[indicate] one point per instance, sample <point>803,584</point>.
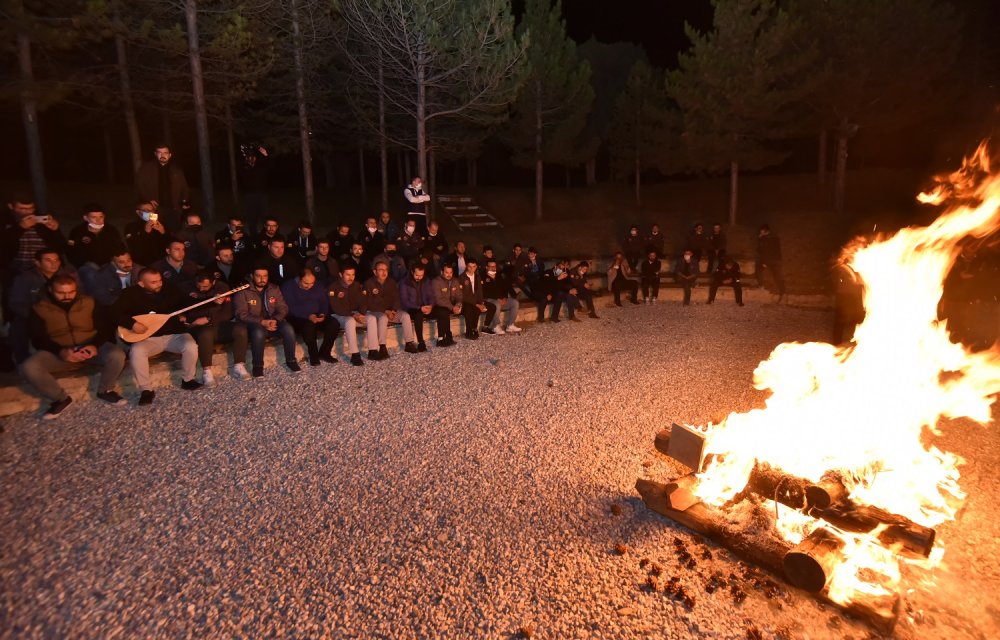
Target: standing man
<point>348,306</point>
<point>381,307</point>
<point>633,246</point>
<point>66,333</point>
<point>258,312</point>
<point>716,247</point>
<point>686,274</point>
<point>416,205</point>
<point>655,241</point>
<point>698,243</point>
<point>149,296</point>
<point>435,247</point>
<point>769,262</point>
<point>161,183</point>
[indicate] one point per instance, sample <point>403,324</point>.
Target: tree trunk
<point>734,189</point>
<point>200,111</point>
<point>383,143</point>
<point>399,167</point>
<point>591,172</point>
<point>361,175</point>
<point>328,173</point>
<point>231,144</point>
<point>840,175</point>
<point>821,160</point>
<point>109,156</point>
<point>539,168</point>
<point>300,96</point>
<point>432,184</point>
<point>421,120</point>
<point>29,116</point>
<point>128,106</point>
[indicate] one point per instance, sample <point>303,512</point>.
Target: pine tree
<point>552,108</point>
<point>740,88</point>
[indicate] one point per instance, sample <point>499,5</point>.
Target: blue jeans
<point>257,334</point>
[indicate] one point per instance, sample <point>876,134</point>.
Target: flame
<point>862,410</point>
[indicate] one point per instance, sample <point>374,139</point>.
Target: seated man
<point>27,289</point>
<point>225,269</point>
<point>416,303</point>
<point>565,293</point>
<point>114,277</point>
<point>150,296</point>
<point>473,302</point>
<point>258,312</point>
<point>621,278</point>
<point>92,242</point>
<point>209,323</point>
<point>356,259</point>
<point>382,300</point>
<point>303,242</point>
<point>549,288</point>
<point>67,333</point>
<point>447,301</point>
<point>177,270</point>
<point>498,292</point>
<point>309,311</point>
<point>145,236</point>
<point>686,274</point>
<point>397,266</point>
<point>268,233</point>
<point>728,274</point>
<point>323,265</point>
<point>584,291</point>
<point>348,305</point>
<point>281,267</point>
<point>649,271</point>
<point>198,242</point>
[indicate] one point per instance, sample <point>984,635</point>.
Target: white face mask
<point>372,229</point>
<point>634,232</point>
<point>491,273</point>
<point>557,271</point>
<point>145,216</point>
<point>95,227</point>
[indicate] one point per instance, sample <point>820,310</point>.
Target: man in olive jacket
<point>67,333</point>
<point>259,311</point>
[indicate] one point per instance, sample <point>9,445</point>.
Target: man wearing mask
<point>686,274</point>
<point>397,266</point>
<point>92,242</point>
<point>416,205</point>
<point>67,334</point>
<point>114,277</point>
<point>161,183</point>
<point>410,243</point>
<point>199,245</point>
<point>655,241</point>
<point>500,296</point>
<point>146,237</point>
<point>149,296</point>
<point>371,239</point>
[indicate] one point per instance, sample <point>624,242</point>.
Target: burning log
<point>768,552</point>
<point>809,565</point>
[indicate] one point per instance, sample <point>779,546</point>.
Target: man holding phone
<point>146,236</point>
<point>309,311</point>
<point>161,183</point>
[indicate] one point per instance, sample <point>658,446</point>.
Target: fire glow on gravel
<point>861,409</point>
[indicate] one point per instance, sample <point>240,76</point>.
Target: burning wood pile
<point>833,484</point>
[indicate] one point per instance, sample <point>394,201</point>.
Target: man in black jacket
<point>686,274</point>
<point>728,274</point>
<point>161,182</point>
<point>209,323</point>
<point>500,296</point>
<point>150,296</point>
<point>473,302</point>
<point>348,305</point>
<point>145,236</point>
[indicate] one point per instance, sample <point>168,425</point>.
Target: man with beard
<point>161,183</point>
<point>309,312</point>
<point>584,291</point>
<point>447,302</point>
<point>473,302</point>
<point>303,243</point>
<point>381,308</point>
<point>209,323</point>
<point>434,249</point>
<point>27,289</point>
<point>258,312</point>
<point>348,305</point>
<point>92,242</point>
<point>67,334</point>
<point>280,266</point>
<point>357,260</point>
<point>390,230</point>
<point>397,266</point>
<point>340,243</point>
<point>225,269</point>
<point>114,277</point>
<point>268,234</point>
<point>372,240</point>
<point>150,296</point>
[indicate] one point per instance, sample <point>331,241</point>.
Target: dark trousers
<point>586,296</point>
<point>771,271</point>
<point>206,336</point>
<point>417,317</point>
<point>255,333</point>
<point>308,330</point>
<point>651,285</point>
<point>442,316</point>
<point>471,314</point>
<point>254,209</point>
<point>571,302</point>
<point>491,310</point>
<point>624,284</point>
<point>687,286</point>
<point>714,288</point>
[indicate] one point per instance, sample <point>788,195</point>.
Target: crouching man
<point>67,334</point>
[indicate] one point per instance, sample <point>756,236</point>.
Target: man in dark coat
<point>161,182</point>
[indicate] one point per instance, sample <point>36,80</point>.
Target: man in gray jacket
<point>447,302</point>
<point>258,312</point>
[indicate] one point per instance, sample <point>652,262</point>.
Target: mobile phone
<point>153,217</point>
<point>41,219</point>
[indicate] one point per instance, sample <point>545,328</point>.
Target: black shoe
<point>146,397</point>
<point>293,366</point>
<point>710,302</point>
<point>373,354</point>
<point>112,397</point>
<point>314,362</point>
<point>541,320</point>
<point>739,304</point>
<point>421,347</point>
<point>593,314</point>
<point>574,319</point>
<point>471,335</point>
<point>489,331</point>
<point>56,408</point>
<point>356,359</point>
<point>383,353</point>
<point>190,385</point>
<point>447,341</point>
<point>258,372</point>
<point>618,303</point>
<point>553,319</point>
<point>636,302</point>
<point>411,347</point>
<point>326,357</point>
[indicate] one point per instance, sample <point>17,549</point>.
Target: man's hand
<point>139,328</point>
<point>51,223</point>
<point>152,226</point>
<point>262,151</point>
<point>548,297</point>
<point>359,317</point>
<point>238,235</point>
<point>316,318</point>
<point>572,291</point>
<point>427,308</point>
<point>200,322</point>
<point>26,222</point>
<point>391,314</point>
<point>456,309</point>
<point>270,325</point>
<point>481,307</point>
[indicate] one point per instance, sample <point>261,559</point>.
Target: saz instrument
<point>155,321</point>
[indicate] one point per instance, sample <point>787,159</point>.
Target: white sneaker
<point>207,378</point>
<point>513,329</point>
<point>498,331</point>
<point>645,300</point>
<point>240,371</point>
<point>653,302</point>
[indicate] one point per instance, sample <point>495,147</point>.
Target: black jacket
<point>345,301</point>
<point>136,301</point>
<point>146,248</point>
<point>86,246</point>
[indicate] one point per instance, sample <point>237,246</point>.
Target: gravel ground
<point>478,491</point>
